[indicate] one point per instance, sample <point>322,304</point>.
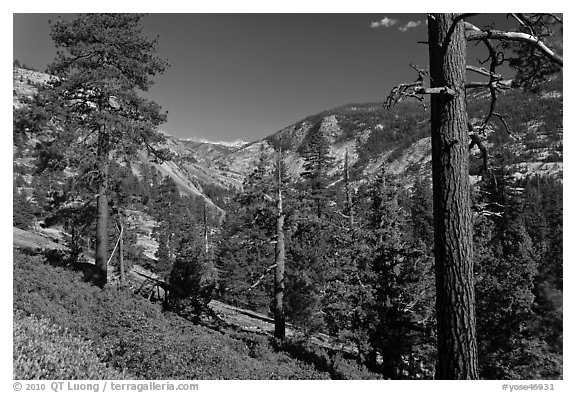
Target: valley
<point>355,243</point>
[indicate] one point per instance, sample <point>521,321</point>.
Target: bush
<point>22,212</point>
<point>42,350</point>
<point>324,360</point>
<point>129,333</point>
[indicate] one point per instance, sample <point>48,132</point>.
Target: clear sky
<point>245,76</point>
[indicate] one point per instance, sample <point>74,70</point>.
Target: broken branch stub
<point>415,90</point>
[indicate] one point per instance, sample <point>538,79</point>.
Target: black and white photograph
<point>287,196</point>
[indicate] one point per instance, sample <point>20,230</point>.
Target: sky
<point>246,76</point>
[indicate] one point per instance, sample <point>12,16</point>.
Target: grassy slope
<point>128,335</point>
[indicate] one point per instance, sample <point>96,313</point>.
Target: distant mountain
<point>202,141</point>
<point>398,141</point>
<point>374,138</point>
<point>192,169</point>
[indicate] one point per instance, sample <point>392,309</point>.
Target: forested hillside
<point>342,200</point>
<point>359,264</point>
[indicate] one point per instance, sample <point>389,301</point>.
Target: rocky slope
<point>397,141</point>
<point>374,138</point>
<point>191,169</point>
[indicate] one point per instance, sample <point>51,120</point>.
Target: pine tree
<point>402,306</point>
<point>542,209</point>
<point>457,349</point>
<point>91,108</point>
<point>317,162</point>
<point>421,212</point>
<point>166,209</point>
<point>511,345</point>
<point>189,279</point>
<point>245,249</point>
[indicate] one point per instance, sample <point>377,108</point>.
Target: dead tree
<point>279,317</point>
<point>348,190</point>
<point>120,227</point>
<point>451,132</point>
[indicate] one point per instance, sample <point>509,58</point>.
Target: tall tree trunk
<point>349,207</point>
<point>102,206</point>
<point>279,318</point>
<point>457,349</point>
<point>205,230</point>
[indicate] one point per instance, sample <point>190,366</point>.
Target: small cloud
<point>386,22</point>
<point>410,25</point>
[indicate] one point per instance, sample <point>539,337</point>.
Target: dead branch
<point>435,90</point>
<point>473,33</point>
<point>403,90</point>
<point>415,90</point>
<point>506,125</point>
<point>495,83</point>
<point>483,71</point>
<point>116,246</point>
<point>262,277</point>
<point>530,25</point>
<point>470,26</point>
<point>521,19</point>
<point>495,61</point>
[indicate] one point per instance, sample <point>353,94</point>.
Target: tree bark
<point>205,230</point>
<point>349,206</point>
<point>279,317</point>
<point>457,349</point>
<point>121,252</point>
<point>102,206</point>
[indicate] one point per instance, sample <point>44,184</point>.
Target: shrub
<point>325,360</point>
<point>129,333</point>
<point>43,350</point>
<point>22,212</point>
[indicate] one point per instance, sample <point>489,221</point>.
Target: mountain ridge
<point>373,138</point>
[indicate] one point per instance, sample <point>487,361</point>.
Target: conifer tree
<point>401,283</point>
<point>447,37</point>
<point>505,277</point>
<point>317,163</point>
<point>245,247</point>
<point>190,281</point>
<point>421,212</point>
<point>168,211</point>
<point>92,109</point>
